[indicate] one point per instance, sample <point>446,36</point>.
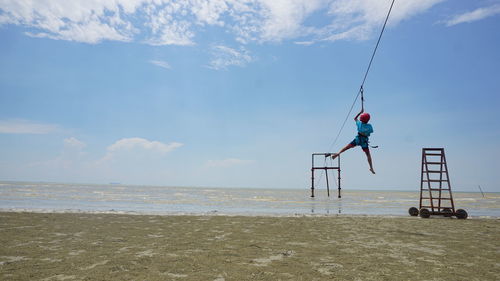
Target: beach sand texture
<point>36,246</point>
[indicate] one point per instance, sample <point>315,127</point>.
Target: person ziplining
<point>364,129</point>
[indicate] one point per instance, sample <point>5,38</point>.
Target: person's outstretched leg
<point>369,158</point>
<point>350,145</point>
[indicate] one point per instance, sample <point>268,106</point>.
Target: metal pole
<point>312,176</point>
<point>441,180</point>
<point>421,180</point>
<point>312,182</point>
<point>339,175</point>
<point>327,184</point>
<point>481,190</point>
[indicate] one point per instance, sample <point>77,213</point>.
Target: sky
<point>240,93</point>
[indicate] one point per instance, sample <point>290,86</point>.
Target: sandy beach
<point>37,246</point>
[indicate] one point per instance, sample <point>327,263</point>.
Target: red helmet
<point>365,117</point>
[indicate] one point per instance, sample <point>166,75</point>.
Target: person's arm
<point>356,118</point>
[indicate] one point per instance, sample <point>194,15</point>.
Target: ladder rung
<point>433,149</point>
<point>433,154</point>
<point>435,189</point>
<point>434,162</point>
<point>435,172</point>
<point>434,180</point>
<point>436,198</point>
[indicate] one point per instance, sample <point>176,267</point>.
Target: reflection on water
<point>184,200</point>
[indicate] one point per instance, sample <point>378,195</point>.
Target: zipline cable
<point>361,89</point>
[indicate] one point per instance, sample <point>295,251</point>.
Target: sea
<point>162,200</point>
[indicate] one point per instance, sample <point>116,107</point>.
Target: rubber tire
<point>413,211</point>
<point>461,214</point>
<point>425,213</point>
<point>447,212</point>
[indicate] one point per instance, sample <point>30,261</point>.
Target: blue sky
<point>239,93</point>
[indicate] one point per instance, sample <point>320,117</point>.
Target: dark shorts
<point>361,141</point>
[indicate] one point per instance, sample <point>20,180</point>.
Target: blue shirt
<point>364,129</point>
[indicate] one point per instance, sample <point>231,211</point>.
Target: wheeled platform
<point>435,188</point>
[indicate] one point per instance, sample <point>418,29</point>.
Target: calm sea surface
<point>54,197</point>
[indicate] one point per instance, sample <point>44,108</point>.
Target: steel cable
<point>361,89</point>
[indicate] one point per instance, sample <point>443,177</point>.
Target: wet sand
<point>141,247</point>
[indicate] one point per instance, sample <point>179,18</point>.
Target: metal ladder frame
<point>443,171</point>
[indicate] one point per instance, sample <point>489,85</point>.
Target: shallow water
<point>56,197</point>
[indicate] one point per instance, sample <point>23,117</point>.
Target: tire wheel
<point>413,211</point>
<point>424,213</point>
<point>461,214</point>
<point>447,212</point>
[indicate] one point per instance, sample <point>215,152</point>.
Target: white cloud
<point>478,14</point>
<point>304,43</point>
<point>91,32</point>
<point>168,32</point>
<point>284,18</point>
<point>74,143</point>
<point>177,22</point>
<point>225,163</point>
<point>126,145</point>
<point>224,57</point>
<point>209,12</point>
<point>20,126</point>
<point>130,143</point>
<point>89,21</point>
<point>160,63</point>
<point>361,19</point>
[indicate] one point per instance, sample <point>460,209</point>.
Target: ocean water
<point>115,198</point>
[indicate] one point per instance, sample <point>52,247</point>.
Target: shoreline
<point>223,214</point>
